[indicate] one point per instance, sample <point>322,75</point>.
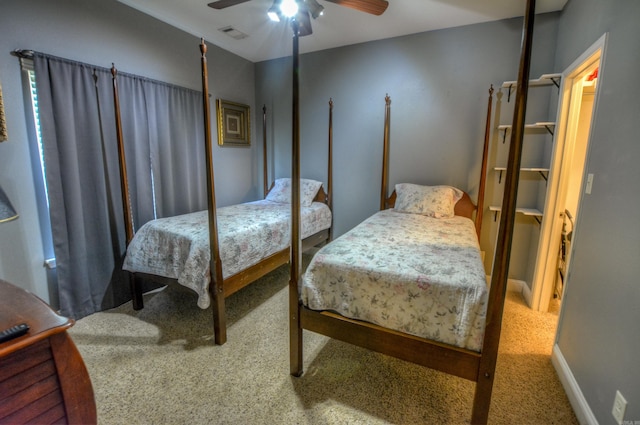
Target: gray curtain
<point>164,142</point>
<point>162,128</point>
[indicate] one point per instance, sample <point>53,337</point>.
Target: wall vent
<point>233,33</point>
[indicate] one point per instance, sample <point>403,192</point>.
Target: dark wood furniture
<point>42,376</point>
<point>478,367</point>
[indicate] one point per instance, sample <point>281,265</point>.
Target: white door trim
<point>551,227</point>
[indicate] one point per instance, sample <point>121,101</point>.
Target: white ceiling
<point>339,26</point>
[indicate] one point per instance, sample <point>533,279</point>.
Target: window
<point>38,132</point>
<point>37,161</point>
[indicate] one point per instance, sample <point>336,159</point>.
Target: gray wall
<point>438,83</point>
<point>103,32</point>
<point>599,332</point>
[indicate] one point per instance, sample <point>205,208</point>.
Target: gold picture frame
<point>233,123</point>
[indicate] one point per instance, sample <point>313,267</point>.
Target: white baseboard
<point>527,294</point>
<point>512,285</point>
<point>576,398</point>
<point>516,285</point>
<point>519,286</point>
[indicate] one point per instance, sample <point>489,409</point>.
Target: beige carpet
<point>159,366</point>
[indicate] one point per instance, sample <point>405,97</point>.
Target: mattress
<point>178,247</point>
<point>408,272</point>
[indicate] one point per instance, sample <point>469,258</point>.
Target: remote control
<point>13,332</point>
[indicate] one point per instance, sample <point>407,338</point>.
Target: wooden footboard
<point>446,358</point>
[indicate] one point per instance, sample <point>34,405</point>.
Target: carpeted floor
<point>159,366</point>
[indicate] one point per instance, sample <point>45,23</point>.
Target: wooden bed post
<point>295,331</point>
<point>215,264</point>
<point>385,154</point>
<point>483,169</point>
<point>499,275</point>
<point>124,182</point>
<point>264,151</point>
<point>330,167</point>
<point>136,290</point>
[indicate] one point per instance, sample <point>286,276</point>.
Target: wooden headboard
<point>324,196</point>
<point>465,206</point>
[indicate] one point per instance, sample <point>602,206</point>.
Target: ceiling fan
<point>301,10</point>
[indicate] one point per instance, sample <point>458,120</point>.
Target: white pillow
<point>281,191</point>
<point>433,201</point>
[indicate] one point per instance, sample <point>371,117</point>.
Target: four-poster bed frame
<point>475,366</point>
<point>219,287</point>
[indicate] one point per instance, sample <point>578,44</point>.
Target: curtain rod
<point>28,54</point>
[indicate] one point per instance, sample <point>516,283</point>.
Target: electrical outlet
<point>619,406</point>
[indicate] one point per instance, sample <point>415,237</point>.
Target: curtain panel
<point>162,128</point>
<point>164,145</point>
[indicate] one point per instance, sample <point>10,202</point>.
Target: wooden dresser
<point>43,379</point>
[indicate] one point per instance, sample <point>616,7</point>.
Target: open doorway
<point>568,177</point>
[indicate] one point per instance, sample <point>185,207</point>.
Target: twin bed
<point>410,272</point>
<point>409,281</point>
<point>414,267</point>
<point>218,251</point>
<point>178,247</point>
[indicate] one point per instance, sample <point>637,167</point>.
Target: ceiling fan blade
<point>375,7</point>
<point>221,4</point>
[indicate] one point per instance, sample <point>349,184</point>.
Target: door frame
<point>566,126</point>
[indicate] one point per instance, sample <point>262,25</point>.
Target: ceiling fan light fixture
<point>315,8</point>
<point>274,12</point>
<point>289,8</point>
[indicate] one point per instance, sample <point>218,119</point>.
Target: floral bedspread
<point>412,273</point>
<point>178,247</point>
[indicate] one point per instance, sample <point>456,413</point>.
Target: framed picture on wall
<point>233,123</point>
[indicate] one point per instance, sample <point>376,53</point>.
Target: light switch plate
<point>587,189</point>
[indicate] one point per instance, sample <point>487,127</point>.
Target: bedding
<point>281,191</point>
<point>434,201</point>
<point>178,247</point>
<point>413,273</point>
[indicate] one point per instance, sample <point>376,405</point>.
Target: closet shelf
<point>544,172</point>
<point>531,212</point>
<point>544,80</point>
<point>547,125</point>
<point>541,124</point>
<point>537,169</point>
